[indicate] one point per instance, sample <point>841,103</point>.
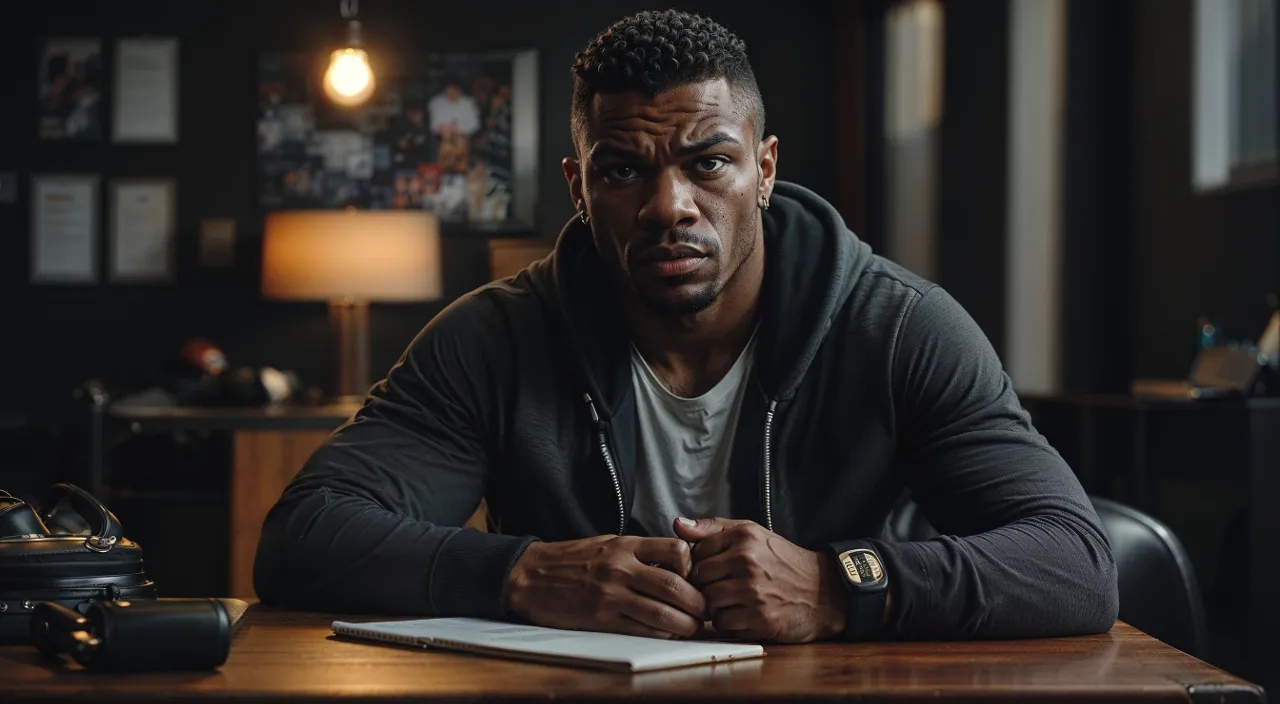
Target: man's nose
<point>669,203</point>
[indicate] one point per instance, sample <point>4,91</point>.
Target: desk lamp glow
<point>350,258</point>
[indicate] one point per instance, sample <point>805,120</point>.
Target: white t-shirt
<point>685,444</point>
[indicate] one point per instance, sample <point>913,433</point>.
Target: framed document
<point>145,108</point>
<point>142,230</point>
<point>64,228</point>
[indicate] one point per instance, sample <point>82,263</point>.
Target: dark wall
<point>1097,197</point>
<point>972,161</point>
<point>1214,255</point>
<point>60,335</point>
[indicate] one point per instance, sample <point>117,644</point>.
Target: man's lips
<point>673,260</point>
<point>673,267</point>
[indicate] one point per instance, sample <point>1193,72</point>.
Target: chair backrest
<point>1159,592</point>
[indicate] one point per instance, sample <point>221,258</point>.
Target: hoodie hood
<point>812,262</point>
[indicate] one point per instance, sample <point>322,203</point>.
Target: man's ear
<point>573,175</point>
<point>767,160</point>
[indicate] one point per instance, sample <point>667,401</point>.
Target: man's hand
<point>608,583</point>
<point>760,586</point>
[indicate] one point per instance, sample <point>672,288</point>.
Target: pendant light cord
<point>349,8</point>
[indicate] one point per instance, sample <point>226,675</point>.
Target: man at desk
<point>704,405</point>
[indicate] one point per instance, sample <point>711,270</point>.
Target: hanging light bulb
<point>349,79</point>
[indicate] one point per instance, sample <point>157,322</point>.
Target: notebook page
<point>637,653</point>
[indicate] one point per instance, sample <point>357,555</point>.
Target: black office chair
<point>1159,592</point>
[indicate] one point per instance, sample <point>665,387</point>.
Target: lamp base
<point>350,322</point>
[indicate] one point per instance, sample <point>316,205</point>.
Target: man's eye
<point>620,173</point>
<point>711,164</point>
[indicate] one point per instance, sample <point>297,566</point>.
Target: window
<point>1234,74</point>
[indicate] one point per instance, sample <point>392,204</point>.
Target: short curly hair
<point>654,51</point>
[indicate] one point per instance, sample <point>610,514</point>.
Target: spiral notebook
<point>605,651</point>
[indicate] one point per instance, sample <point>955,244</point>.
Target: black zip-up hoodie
<point>868,381</point>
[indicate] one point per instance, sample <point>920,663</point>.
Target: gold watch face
<point>861,566</point>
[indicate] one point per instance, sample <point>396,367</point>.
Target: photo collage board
<point>452,134</point>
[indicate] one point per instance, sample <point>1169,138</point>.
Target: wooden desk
<point>284,656</point>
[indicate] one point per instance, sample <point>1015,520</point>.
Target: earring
<point>582,215</point>
<point>764,202</point>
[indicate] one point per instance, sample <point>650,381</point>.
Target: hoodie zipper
<point>608,461</point>
<point>768,484</point>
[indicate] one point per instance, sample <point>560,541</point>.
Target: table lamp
<point>350,258</point>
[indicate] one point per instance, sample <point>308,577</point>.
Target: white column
<point>1033,305</point>
<point>913,112</point>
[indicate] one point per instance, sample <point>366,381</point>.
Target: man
<point>704,405</point>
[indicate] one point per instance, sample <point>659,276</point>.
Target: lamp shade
<point>357,255</point>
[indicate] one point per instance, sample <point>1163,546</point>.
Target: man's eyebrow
<point>707,143</point>
<point>603,150</point>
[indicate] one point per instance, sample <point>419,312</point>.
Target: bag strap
<point>106,528</point>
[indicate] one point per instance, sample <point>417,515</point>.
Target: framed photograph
<point>64,228</point>
<point>142,224</point>
<point>69,90</point>
<point>146,91</point>
<point>453,134</point>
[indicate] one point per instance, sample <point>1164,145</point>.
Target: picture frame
<point>455,134</point>
<point>64,228</point>
<point>145,91</point>
<point>142,230</point>
<point>70,90</point>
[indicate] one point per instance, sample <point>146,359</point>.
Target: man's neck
<point>692,353</point>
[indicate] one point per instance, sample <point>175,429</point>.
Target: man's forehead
<point>684,109</point>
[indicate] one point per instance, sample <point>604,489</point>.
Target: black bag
<point>70,567</point>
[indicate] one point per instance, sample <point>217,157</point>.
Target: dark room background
<point>64,335</point>
<point>1133,295</point>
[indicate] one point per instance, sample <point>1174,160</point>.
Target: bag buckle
<point>100,544</point>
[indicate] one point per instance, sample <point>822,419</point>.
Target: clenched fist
<point>608,583</point>
<point>759,586</point>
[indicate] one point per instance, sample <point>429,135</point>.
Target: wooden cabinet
<point>263,463</point>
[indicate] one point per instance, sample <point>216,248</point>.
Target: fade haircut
<point>651,52</point>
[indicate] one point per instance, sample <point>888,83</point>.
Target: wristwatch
<point>863,572</point>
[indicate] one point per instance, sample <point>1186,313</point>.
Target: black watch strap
<point>865,575</point>
<point>866,614</point>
